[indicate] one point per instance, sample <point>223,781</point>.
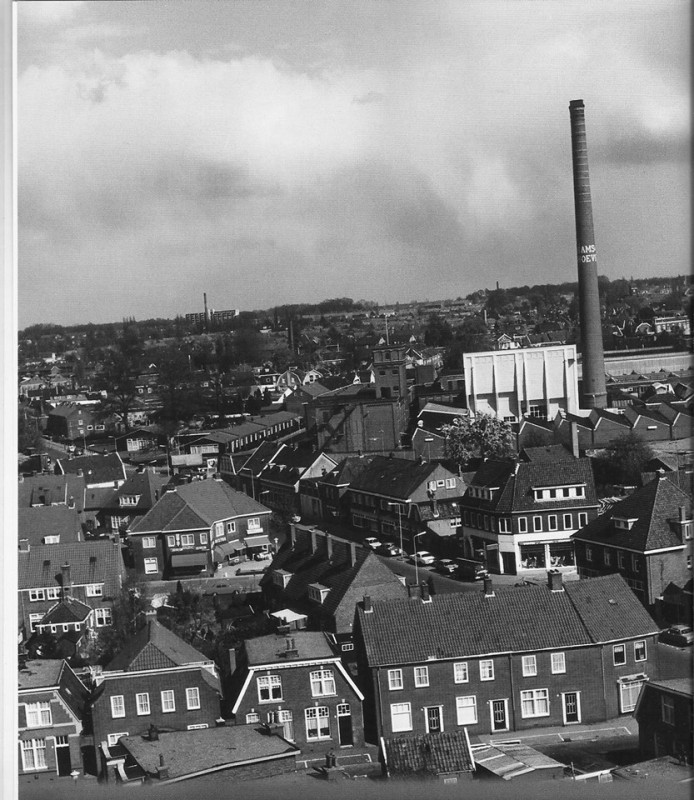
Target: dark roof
<point>96,469</point>
<point>196,505</point>
<point>46,489</point>
<point>429,754</point>
<point>347,470</point>
<point>148,485</point>
<point>273,648</point>
<point>261,457</point>
<point>41,672</point>
<point>90,562</point>
<point>654,506</point>
<point>393,477</point>
<point>677,685</point>
<point>518,619</point>
<point>547,453</point>
<point>67,610</point>
<point>35,524</point>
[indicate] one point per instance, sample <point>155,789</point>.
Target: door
<point>62,755</point>
<point>433,718</point>
<point>344,725</point>
<point>287,721</point>
<point>572,708</point>
<point>499,715</point>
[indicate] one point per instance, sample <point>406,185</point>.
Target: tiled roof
<point>67,610</point>
<point>679,685</point>
<point>36,523</point>
<point>519,619</point>
<point>262,456</point>
<point>96,469</point>
<point>269,649</point>
<point>196,505</point>
<point>547,453</point>
<point>654,506</point>
<point>149,485</point>
<point>429,754</point>
<point>393,477</point>
<point>41,489</point>
<point>347,470</point>
<point>90,562</point>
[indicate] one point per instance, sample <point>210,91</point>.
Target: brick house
<point>100,472</point>
<point>157,680</point>
<point>519,516</point>
<point>327,497</point>
<point>597,429</point>
<point>513,659</point>
<point>71,421</point>
<point>297,684</point>
<point>132,500</point>
<point>647,538</point>
<point>51,708</point>
<point>664,713</point>
<point>193,526</point>
<point>89,573</point>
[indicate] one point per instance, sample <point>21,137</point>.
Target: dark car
<point>389,550</point>
<point>446,566</point>
<point>679,635</point>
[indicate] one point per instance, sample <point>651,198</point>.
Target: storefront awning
<point>189,560</point>
<point>257,541</point>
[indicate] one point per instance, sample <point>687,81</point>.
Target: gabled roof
<point>148,485</point>
<point>262,456</point>
<point>393,477</point>
<point>347,470</point>
<point>90,562</point>
<point>46,489</point>
<point>653,506</point>
<point>67,610</point>
<point>196,505</point>
<point>96,469</point>
<point>547,453</point>
<point>37,523</point>
<point>518,619</point>
<point>429,754</point>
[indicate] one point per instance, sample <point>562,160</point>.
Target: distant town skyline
<point>271,153</point>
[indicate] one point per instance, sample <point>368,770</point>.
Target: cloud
<point>49,12</point>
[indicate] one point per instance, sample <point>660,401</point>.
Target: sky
<point>283,152</point>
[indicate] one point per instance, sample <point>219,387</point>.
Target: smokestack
<point>594,393</point>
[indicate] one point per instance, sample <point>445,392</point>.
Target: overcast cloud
<point>270,153</point>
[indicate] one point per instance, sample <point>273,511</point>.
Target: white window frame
<point>253,524</point>
<point>142,704</point>
<point>270,685</point>
<point>117,706</point>
<point>203,537</point>
<point>37,749</point>
<point>537,524</point>
<point>582,519</point>
<point>558,663</point>
<point>421,677</point>
<point>627,695</point>
<point>640,650</point>
<point>103,617</point>
<point>112,738</point>
<point>151,566</point>
<point>252,717</point>
<point>529,664</point>
<point>395,680</point>
<point>667,708</point>
<point>535,697</point>
<point>568,521</point>
<point>95,590</point>
<point>168,701</point>
<point>38,715</point>
<point>192,698</point>
<point>171,541</point>
<point>35,595</point>
<point>400,717</point>
<point>619,661</point>
<point>187,539</point>
<point>466,710</point>
<point>149,542</point>
<point>322,683</point>
<point>231,527</point>
<point>313,729</point>
<point>522,524</point>
<point>461,673</point>
<point>487,669</point>
<point>34,619</point>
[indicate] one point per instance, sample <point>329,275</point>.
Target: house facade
<point>297,684</point>
<point>560,654</point>
<point>51,710</point>
<point>664,714</point>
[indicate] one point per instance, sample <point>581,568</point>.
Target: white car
<point>372,542</point>
<point>423,558</point>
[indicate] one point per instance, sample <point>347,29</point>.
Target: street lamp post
<point>399,506</point>
<point>414,556</point>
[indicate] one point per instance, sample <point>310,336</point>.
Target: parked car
<point>264,555</point>
<point>422,558</point>
<point>679,635</point>
<point>372,542</point>
<point>471,570</point>
<point>446,566</point>
<point>389,550</point>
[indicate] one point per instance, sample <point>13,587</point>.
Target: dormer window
<point>281,577</point>
<point>129,499</point>
<point>624,523</point>
<point>317,592</point>
<point>559,493</point>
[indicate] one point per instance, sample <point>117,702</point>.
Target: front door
<point>499,715</point>
<point>572,708</point>
<point>434,723</point>
<point>344,725</point>
<point>62,755</point>
<point>287,722</point>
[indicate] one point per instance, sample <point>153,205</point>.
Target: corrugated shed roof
<point>429,754</point>
<point>509,761</point>
<point>520,619</point>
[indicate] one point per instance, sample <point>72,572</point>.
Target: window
<point>203,538</point>
<point>504,525</point>
<point>635,562</point>
<point>395,679</point>
<point>113,738</point>
<point>231,527</point>
<point>552,523</point>
<point>33,754</point>
<point>619,654</point>
<point>421,676</point>
<point>254,524</point>
<point>142,702</point>
<point>567,522</point>
<point>400,717</point>
<point>149,542</point>
<point>33,619</point>
<point>640,651</point>
<point>522,525</point>
<point>102,617</point>
<point>558,663</point>
<point>192,698</point>
<point>51,539</point>
<point>36,594</point>
<point>38,715</point>
<point>171,541</point>
<point>668,709</point>
<point>187,539</point>
<point>466,710</point>
<point>629,694</point>
<point>582,519</point>
<point>537,523</point>
<point>252,717</point>
<point>317,723</point>
<point>607,557</point>
<point>322,683</point>
<point>168,703</point>
<point>151,565</point>
<point>117,706</point>
<point>620,559</point>
<point>535,703</point>
<point>460,672</point>
<point>95,589</point>
<point>269,688</point>
<point>589,553</point>
<point>487,670</point>
<point>529,666</point>
<point>53,594</point>
<point>450,483</point>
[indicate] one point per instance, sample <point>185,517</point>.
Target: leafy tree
<point>483,436</point>
<point>190,615</point>
<point>622,461</point>
<point>29,435</point>
<point>128,617</point>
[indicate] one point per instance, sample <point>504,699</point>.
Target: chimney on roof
<point>683,513</point>
<point>24,545</point>
<point>71,502</point>
<point>329,545</point>
<point>488,588</point>
<point>368,608</point>
<point>66,579</point>
<point>291,651</point>
<point>162,769</point>
<point>426,594</point>
<point>555,580</point>
<point>352,554</point>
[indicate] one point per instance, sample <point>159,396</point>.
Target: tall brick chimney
<point>594,392</point>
